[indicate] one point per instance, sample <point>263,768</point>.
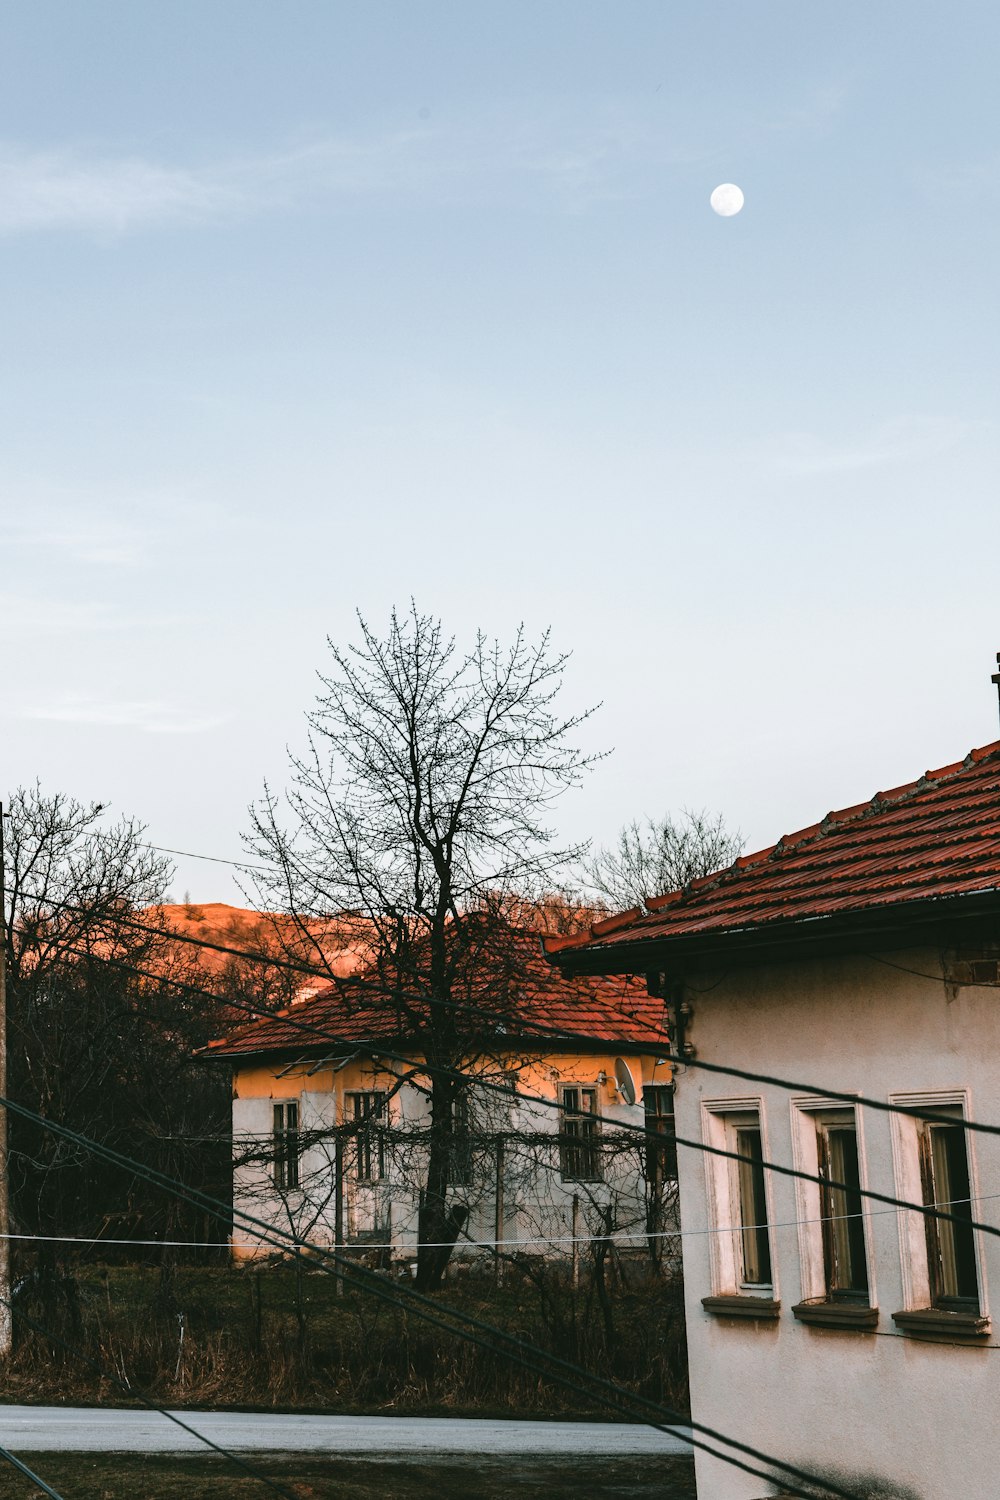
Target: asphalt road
<point>37,1429</point>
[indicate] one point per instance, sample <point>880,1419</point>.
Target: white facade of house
<point>911,1414</point>
<point>532,1197</point>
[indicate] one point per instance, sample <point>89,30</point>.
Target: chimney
<point>996,675</point>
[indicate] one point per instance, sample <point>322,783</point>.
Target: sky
<point>309,309</point>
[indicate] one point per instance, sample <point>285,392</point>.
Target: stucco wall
<point>538,1204</point>
<point>918,1418</point>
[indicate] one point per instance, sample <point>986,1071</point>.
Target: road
<point>37,1429</point>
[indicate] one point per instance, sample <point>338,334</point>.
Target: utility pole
<point>6,1317</point>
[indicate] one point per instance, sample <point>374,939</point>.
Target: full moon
<point>727,199</point>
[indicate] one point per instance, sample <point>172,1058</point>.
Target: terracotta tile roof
<point>539,1002</point>
<point>932,838</point>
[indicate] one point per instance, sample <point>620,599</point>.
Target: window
<point>661,1160</point>
<point>579,1160</point>
<point>844,1259</point>
<point>367,1162</point>
<point>951,1248</point>
<point>461,1142</point>
<point>744,1283</point>
<point>286,1144</point>
<point>754,1236</point>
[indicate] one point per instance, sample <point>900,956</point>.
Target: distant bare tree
<point>659,855</point>
<point>418,816</point>
<point>93,1041</point>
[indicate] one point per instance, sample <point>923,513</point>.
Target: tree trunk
<point>438,1225</point>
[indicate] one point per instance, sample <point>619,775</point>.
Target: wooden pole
<point>576,1241</point>
<point>6,1318</point>
<point>498,1217</point>
<point>338,1203</point>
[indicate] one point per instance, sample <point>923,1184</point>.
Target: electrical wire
<point>22,1468</point>
<point>554,1034</point>
<point>143,1397</point>
<point>657,1136</point>
<point>612,1237</point>
<point>621,1126</point>
<point>898,1203</point>
<point>520,1350</point>
<point>212,859</point>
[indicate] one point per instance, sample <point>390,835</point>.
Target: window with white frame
<point>738,1194</point>
<point>579,1156</point>
<point>934,1165</point>
<point>658,1111</point>
<point>946,1183</point>
<point>845,1258</point>
<point>751,1201</point>
<point>285,1144</point>
<point>365,1110</point>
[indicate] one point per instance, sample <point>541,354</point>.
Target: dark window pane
<point>844,1232</point>
<point>753,1209</point>
<point>951,1241</point>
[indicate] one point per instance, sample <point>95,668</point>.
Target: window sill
<point>935,1320</point>
<point>854,1317</point>
<point>739,1305</point>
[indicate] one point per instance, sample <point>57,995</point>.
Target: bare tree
<point>661,854</point>
<point>94,1041</point>
<point>419,816</point>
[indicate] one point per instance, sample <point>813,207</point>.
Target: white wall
<point>538,1204</point>
<point>921,1418</point>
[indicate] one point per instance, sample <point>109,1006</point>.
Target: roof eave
<point>937,920</point>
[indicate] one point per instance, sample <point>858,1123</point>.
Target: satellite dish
<point>624,1080</point>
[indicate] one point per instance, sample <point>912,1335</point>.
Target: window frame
<point>725,1122</point>
<point>943,1234</point>
<point>286,1149</point>
<point>842,1213</point>
<point>579,1134</point>
<point>660,1162</point>
<point>923,1302</point>
<point>816,1304</point>
<point>368,1146</point>
<point>460,1169</point>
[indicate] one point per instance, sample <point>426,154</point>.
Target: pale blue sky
<point>307,307</point>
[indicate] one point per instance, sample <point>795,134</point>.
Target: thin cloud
<point>572,160</point>
<point>906,440</point>
<point>118,533</point>
<point>29,618</point>
<point>149,716</point>
<point>65,190</point>
<point>959,182</point>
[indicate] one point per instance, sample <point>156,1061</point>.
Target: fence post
<point>576,1241</point>
<point>338,1205</point>
<point>498,1234</point>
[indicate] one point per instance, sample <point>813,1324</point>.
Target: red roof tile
<point>935,837</point>
<point>538,1002</point>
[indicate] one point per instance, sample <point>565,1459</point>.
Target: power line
<point>212,859</point>
<point>520,1350</point>
<point>551,1033</point>
<point>147,1400</point>
<point>22,1468</point>
<point>655,1135</point>
<point>380,1050</point>
<point>611,1237</point>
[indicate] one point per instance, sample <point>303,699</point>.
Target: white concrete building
<point>858,958</point>
<point>329,1133</point>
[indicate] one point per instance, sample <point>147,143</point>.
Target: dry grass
<point>265,1339</point>
<point>125,1477</point>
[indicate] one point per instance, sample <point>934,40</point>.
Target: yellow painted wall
<point>536,1075</point>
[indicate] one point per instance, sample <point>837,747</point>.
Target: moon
<point>727,199</point>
